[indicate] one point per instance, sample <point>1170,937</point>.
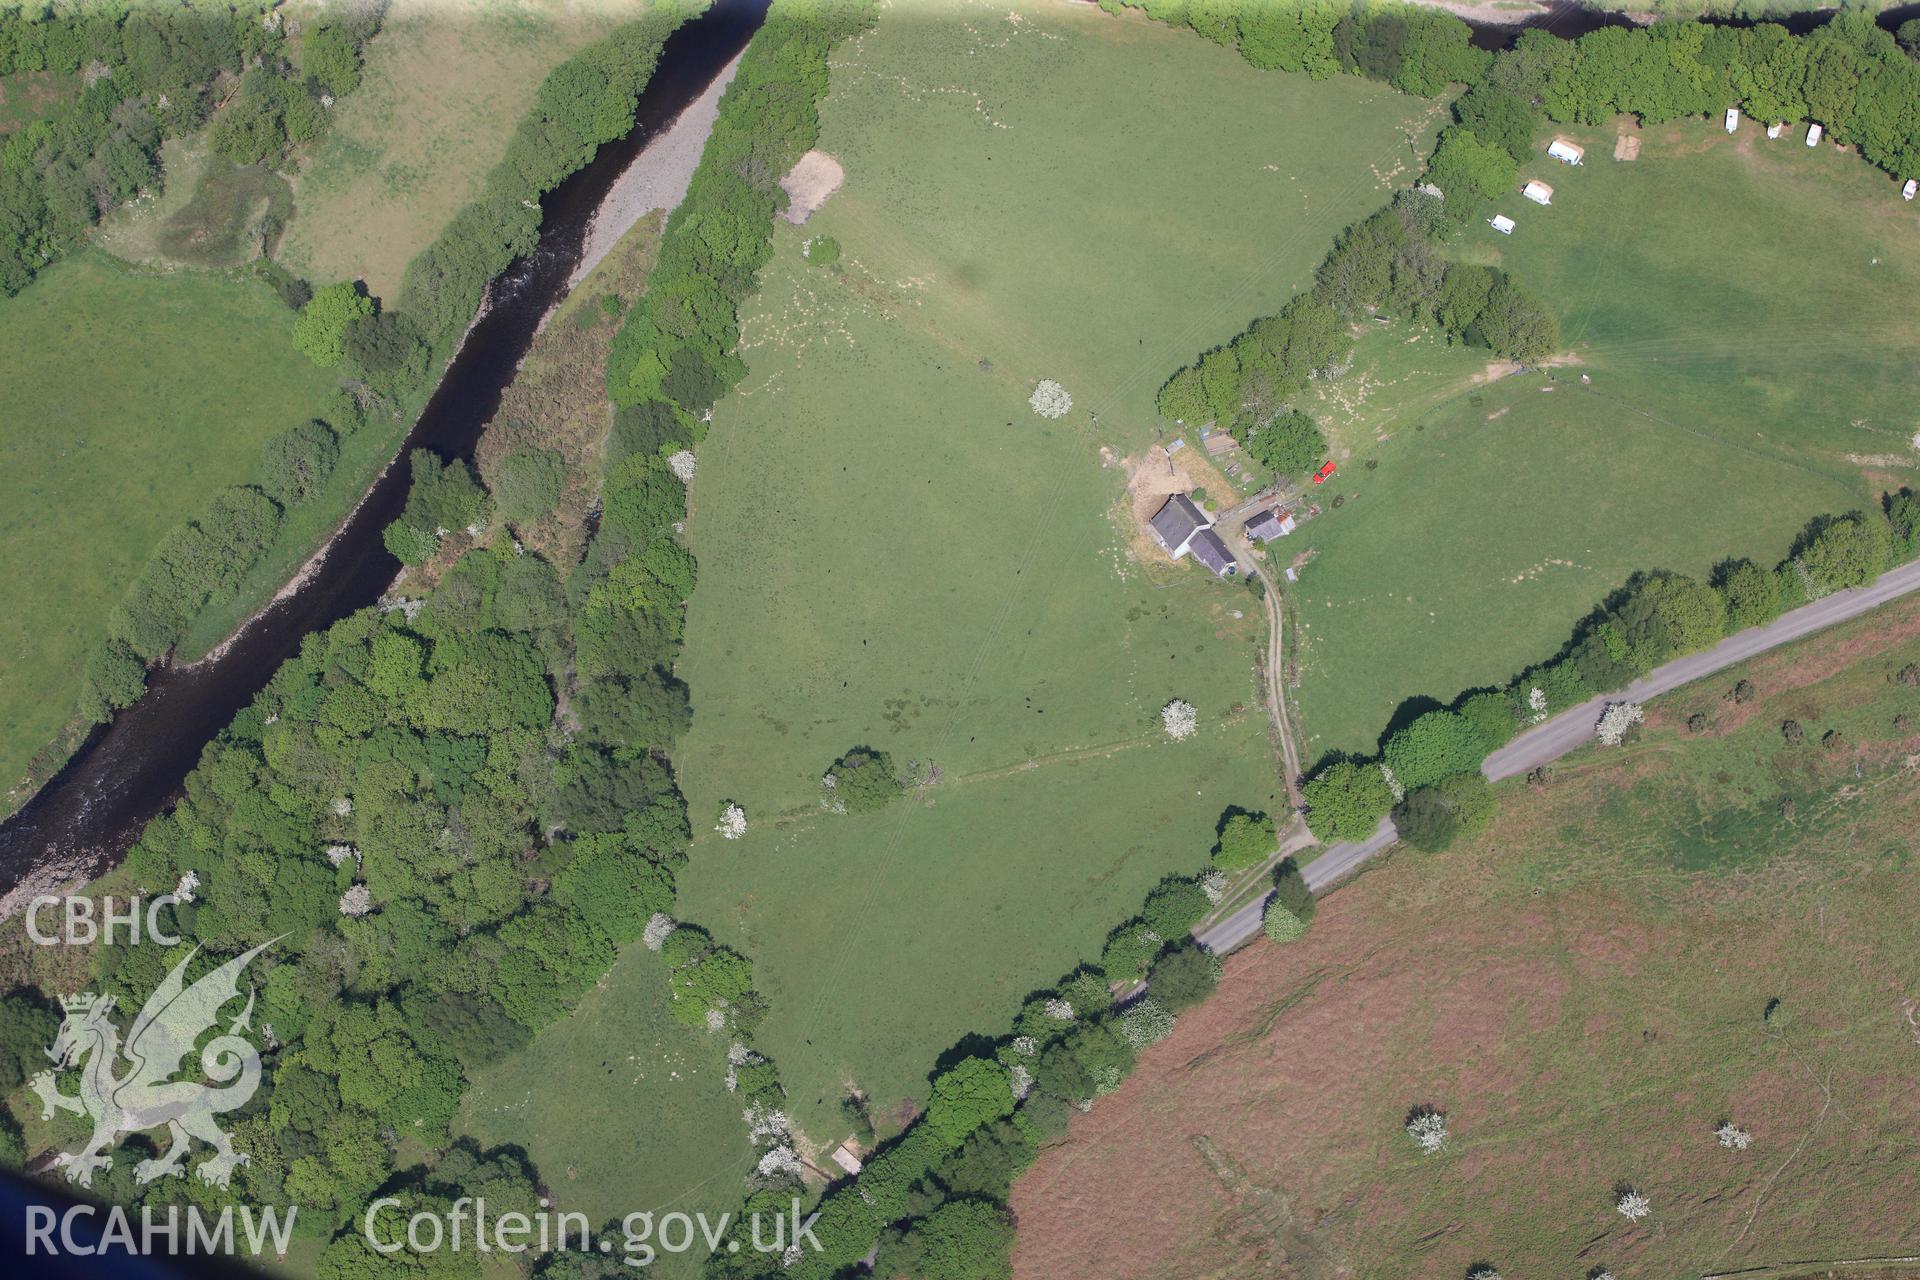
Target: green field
<point>1742,310</point>
<point>895,551</point>
<point>445,84</point>
<point>26,96</point>
<point>622,1109</point>
<point>129,401</point>
<point>210,214</point>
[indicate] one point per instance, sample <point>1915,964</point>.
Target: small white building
<point>1813,135</point>
<point>1733,119</point>
<point>1502,223</point>
<point>1538,192</point>
<point>1907,192</point>
<point>1775,130</point>
<point>1565,152</point>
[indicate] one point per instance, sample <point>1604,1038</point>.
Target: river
<point>129,771</point>
<point>88,814</point>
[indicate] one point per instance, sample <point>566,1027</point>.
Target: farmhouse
<point>1538,192</point>
<point>1179,526</point>
<point>1502,223</point>
<point>1566,152</point>
<point>1175,523</point>
<point>1269,525</point>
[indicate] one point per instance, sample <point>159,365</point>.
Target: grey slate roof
<point>1266,526</point>
<point>1177,521</point>
<point>1211,552</point>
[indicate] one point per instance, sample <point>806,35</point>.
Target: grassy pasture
<point>129,400</point>
<point>446,82</point>
<point>1745,351</point>
<point>211,214</point>
<point>26,96</point>
<point>1582,991</point>
<point>622,1109</point>
<point>895,551</point>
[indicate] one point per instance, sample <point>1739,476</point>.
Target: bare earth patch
<point>1626,146</point>
<point>815,178</point>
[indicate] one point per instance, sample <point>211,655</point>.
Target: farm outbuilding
<point>1502,223</point>
<point>1269,525</point>
<point>1538,192</point>
<point>1566,152</point>
<point>1813,135</point>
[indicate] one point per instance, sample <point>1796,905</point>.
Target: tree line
<point>151,72</point>
<point>934,1198</point>
<point>387,356</point>
<point>452,858</point>
<point>205,559</point>
<point>1848,74</point>
<point>1388,265</point>
<point>1427,773</point>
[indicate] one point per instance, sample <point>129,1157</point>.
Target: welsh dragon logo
<point>143,1096</point>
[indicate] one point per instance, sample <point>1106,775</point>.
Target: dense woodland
<point>451,857</point>
<point>153,71</point>
<point>388,358</point>
<point>457,809</point>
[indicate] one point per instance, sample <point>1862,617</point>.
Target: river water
<point>85,818</point>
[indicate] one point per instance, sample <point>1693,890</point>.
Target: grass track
<point>895,551</point>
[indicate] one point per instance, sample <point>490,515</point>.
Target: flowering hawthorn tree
<point>1616,720</point>
<point>1733,1137</point>
<point>1180,719</point>
<point>1148,1022</point>
<point>1632,1205</point>
<point>1050,399</point>
<point>356,902</point>
<point>1428,1129</point>
<point>659,925</point>
<point>733,822</point>
<point>1393,784</point>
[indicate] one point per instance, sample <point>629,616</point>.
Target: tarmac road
<point>1570,729</point>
